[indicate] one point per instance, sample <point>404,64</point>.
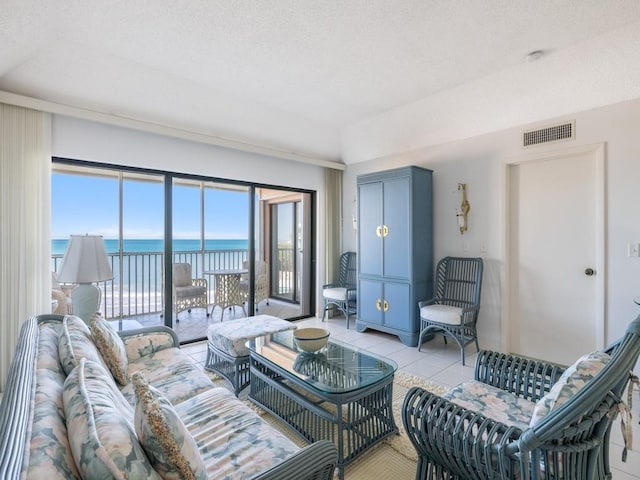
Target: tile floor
<point>440,363</point>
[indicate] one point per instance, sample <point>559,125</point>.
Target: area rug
<point>393,458</point>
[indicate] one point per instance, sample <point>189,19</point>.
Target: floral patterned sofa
<point>70,409</point>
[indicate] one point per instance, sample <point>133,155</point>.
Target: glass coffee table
<point>340,393</point>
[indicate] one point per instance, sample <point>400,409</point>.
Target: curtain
<point>333,221</point>
<point>25,246</point>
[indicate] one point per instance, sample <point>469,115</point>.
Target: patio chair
<point>525,419</point>
<point>62,295</point>
<point>453,311</point>
<point>341,294</point>
<point>188,292</point>
<point>261,291</point>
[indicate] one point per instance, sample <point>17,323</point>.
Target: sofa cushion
<point>235,443</point>
<point>570,382</point>
<point>181,275</point>
<point>99,424</point>
<point>190,291</point>
<point>169,446</point>
<point>75,343</point>
<point>111,348</point>
<point>492,402</point>
<point>172,372</point>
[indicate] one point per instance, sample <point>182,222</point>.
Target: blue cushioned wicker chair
<point>463,436</point>
<point>453,311</point>
<point>342,293</point>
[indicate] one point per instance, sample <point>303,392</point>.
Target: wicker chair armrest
<point>466,443</point>
<point>466,306</point>
<point>470,309</point>
<point>68,289</point>
<point>59,296</point>
<point>332,285</point>
<point>524,377</point>
<point>314,462</point>
<point>424,303</point>
<point>199,282</point>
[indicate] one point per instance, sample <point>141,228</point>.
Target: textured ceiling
<point>290,74</point>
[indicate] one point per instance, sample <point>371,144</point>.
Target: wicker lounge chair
<point>457,435</point>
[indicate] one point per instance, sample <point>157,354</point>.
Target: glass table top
<point>336,368</point>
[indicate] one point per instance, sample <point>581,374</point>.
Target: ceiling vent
<point>553,133</point>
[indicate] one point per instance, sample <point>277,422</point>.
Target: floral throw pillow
<point>75,343</point>
<point>111,348</point>
<point>101,436</point>
<point>169,445</point>
<point>572,380</point>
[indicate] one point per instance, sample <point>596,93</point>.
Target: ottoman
<point>227,352</point>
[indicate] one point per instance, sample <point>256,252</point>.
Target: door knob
<point>589,272</point>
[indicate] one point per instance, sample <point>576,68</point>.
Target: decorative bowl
<point>310,339</point>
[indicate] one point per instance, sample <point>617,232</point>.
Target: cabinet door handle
<point>385,230</point>
<point>378,231</point>
<point>386,306</point>
<point>379,304</point>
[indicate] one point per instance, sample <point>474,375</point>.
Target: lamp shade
<point>85,261</point>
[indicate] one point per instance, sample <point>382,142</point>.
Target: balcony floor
<point>193,325</point>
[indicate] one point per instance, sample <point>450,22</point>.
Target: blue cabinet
<point>395,250</point>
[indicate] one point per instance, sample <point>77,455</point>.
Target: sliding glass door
<point>126,208</point>
<point>248,248</point>
<point>138,276</point>
<point>290,248</point>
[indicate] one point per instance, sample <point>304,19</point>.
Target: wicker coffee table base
<point>366,419</point>
<point>234,369</point>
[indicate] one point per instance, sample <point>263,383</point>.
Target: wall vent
<point>553,133</point>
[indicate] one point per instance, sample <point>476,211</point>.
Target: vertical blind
<point>333,221</point>
<point>25,250</point>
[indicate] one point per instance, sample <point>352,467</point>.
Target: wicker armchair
<point>261,291</point>
<point>62,295</point>
<point>188,292</point>
<point>456,441</point>
<point>454,309</point>
<point>341,294</point>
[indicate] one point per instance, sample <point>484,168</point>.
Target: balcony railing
<point>137,287</point>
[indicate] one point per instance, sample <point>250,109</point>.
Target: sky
<point>82,204</point>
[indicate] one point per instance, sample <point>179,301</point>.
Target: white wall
<point>85,140</point>
<point>479,162</point>
<point>586,75</point>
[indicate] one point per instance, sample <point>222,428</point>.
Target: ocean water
<point>139,245</point>
<point>141,275</point>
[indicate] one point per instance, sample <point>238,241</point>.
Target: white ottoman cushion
<point>231,337</point>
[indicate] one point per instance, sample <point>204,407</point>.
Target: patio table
<point>227,289</point>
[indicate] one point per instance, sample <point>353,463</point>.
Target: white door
<point>556,263</point>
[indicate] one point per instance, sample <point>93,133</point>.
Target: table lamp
<point>85,262</point>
